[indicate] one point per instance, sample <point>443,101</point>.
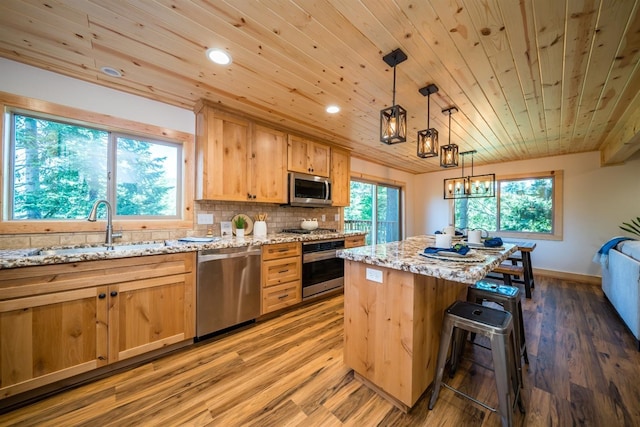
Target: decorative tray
<point>249,224</point>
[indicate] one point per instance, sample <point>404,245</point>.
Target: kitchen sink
<point>97,249</point>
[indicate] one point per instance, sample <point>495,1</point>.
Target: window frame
<point>118,126</point>
<point>558,184</point>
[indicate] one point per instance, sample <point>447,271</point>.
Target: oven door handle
<point>318,256</point>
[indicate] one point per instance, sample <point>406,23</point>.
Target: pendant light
<point>470,186</point>
<point>449,153</point>
<point>393,120</point>
<point>428,138</point>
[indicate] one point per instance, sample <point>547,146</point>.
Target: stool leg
<point>523,343</point>
<point>506,278</point>
<point>499,348</point>
<point>445,341</point>
<point>457,349</point>
<point>528,274</point>
<point>517,379</point>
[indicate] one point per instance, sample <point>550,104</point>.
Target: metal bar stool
<point>498,326</point>
<point>509,298</point>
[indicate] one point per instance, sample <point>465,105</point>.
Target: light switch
<point>336,217</point>
<point>204,218</point>
<point>324,217</point>
<point>374,275</point>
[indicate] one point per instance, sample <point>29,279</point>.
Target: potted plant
<point>240,224</point>
<point>633,227</point>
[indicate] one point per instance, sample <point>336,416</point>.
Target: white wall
<point>596,201</point>
<point>24,80</point>
<point>379,171</point>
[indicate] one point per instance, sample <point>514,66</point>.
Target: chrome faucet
<point>93,217</point>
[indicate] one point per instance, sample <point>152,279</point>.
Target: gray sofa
<point>621,283</point>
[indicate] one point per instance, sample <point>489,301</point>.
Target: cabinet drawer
<point>354,241</point>
<point>278,271</point>
<point>281,296</point>
<point>281,250</point>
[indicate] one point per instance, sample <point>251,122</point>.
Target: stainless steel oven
<point>322,271</point>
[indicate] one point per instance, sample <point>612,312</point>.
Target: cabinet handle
<point>283,250</point>
<point>113,293</point>
<point>102,295</point>
<point>283,296</point>
<point>283,271</point>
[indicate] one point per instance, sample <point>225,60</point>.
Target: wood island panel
<point>392,329</point>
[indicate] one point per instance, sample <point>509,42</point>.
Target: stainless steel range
<point>322,271</point>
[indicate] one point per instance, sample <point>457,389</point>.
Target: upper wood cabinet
<point>268,165</point>
<point>309,157</point>
<point>237,160</point>
<point>340,177</point>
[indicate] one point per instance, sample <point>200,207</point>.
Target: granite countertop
<point>14,258</point>
<point>404,255</point>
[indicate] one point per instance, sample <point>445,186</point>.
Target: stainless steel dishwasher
<point>228,288</point>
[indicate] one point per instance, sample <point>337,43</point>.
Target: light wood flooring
<point>584,370</point>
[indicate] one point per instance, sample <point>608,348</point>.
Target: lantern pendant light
<point>393,120</point>
<point>428,138</point>
<point>449,153</point>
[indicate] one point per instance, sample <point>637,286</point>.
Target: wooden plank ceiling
<point>531,78</point>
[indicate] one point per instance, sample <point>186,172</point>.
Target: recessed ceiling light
<point>333,109</point>
<point>219,56</point>
<point>110,71</point>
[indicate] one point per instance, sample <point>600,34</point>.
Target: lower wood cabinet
<point>281,275</point>
<point>354,241</point>
<point>61,320</point>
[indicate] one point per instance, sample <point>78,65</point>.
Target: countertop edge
<point>28,257</point>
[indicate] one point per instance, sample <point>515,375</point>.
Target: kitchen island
<point>394,302</point>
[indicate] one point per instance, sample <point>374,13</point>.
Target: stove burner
<point>303,231</point>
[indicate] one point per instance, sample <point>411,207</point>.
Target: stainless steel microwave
<point>309,190</point>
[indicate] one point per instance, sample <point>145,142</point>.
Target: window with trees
<point>374,208</point>
<point>58,169</point>
<point>524,204</point>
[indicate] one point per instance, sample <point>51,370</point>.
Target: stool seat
<point>509,298</point>
<point>498,326</point>
<point>509,291</point>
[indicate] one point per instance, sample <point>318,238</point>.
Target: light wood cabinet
<point>354,241</point>
<point>58,321</point>
<point>237,160</point>
<point>307,156</point>
<point>340,177</point>
<point>281,275</point>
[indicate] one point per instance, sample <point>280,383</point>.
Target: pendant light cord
<point>394,85</point>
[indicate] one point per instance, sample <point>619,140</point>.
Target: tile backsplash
<point>278,218</point>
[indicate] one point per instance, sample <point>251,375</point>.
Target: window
<point>524,205</point>
<point>374,208</point>
<point>58,169</point>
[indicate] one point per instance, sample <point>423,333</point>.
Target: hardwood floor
<point>584,370</point>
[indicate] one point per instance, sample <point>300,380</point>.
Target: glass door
<point>375,209</point>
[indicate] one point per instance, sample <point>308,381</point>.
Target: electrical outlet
<point>324,217</point>
<point>336,217</point>
<point>374,275</point>
<point>204,218</point>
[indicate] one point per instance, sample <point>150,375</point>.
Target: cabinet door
<point>222,153</point>
<point>149,314</point>
<point>268,166</point>
<point>340,177</point>
<point>298,150</point>
<point>50,337</point>
<point>320,158</point>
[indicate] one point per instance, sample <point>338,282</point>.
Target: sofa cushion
<point>630,248</point>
